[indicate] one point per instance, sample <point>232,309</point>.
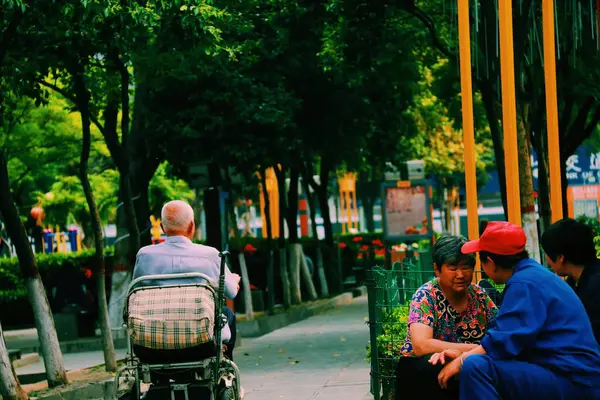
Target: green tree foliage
<point>43,144</point>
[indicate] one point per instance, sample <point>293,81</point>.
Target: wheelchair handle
<point>171,277</point>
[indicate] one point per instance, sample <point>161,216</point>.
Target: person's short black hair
<point>482,225</point>
<point>572,239</point>
<point>505,262</point>
<point>447,251</point>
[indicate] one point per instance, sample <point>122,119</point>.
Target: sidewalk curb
<point>267,324</point>
<point>79,346</point>
<point>97,390</point>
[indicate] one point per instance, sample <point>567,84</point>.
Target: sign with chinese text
<point>583,167</point>
<point>406,211</point>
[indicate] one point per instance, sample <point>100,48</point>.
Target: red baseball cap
<point>502,238</point>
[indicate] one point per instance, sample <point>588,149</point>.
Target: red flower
<point>88,273</point>
<point>342,245</point>
<point>380,252</point>
<point>364,247</point>
<point>360,255</point>
<point>377,242</point>
<point>249,249</point>
<point>357,239</point>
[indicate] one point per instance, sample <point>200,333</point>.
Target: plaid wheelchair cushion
<point>171,318</point>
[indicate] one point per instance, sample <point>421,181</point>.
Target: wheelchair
<point>174,339</point>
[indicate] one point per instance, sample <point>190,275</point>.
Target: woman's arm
<point>455,366</point>
<point>423,342</point>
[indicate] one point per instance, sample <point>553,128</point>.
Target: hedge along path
<point>53,359</point>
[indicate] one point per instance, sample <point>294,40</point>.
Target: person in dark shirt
<point>541,345</point>
<point>570,252</point>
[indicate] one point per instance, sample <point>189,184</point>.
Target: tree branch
<point>578,132</point>
<point>71,98</point>
<point>579,136</point>
<point>428,23</point>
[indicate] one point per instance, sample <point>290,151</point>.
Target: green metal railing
<point>389,295</point>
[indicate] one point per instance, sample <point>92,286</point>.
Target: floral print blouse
<point>430,306</point>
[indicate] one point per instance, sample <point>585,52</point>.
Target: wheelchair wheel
<point>227,393</point>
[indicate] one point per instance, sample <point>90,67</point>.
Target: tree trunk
<point>50,348</point>
<point>310,286</point>
<point>124,168</point>
<point>246,287</point>
<point>311,206</point>
<point>544,204</point>
<point>270,272</point>
<point>110,361</point>
<point>271,283</point>
<point>285,281</point>
<point>143,162</point>
<point>368,206</point>
<point>142,208</point>
<point>292,211</point>
<point>212,207</point>
<point>230,206</point>
<point>295,262</point>
<point>130,217</point>
<point>321,272</point>
<point>323,196</point>
<point>10,388</point>
<point>528,214</point>
<point>366,190</point>
<point>488,96</point>
<point>213,217</point>
<point>283,212</point>
<point>564,184</point>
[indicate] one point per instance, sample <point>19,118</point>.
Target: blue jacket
<point>543,322</point>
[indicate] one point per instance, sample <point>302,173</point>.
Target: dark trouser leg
<point>417,379</point>
<point>231,322</point>
<point>483,378</point>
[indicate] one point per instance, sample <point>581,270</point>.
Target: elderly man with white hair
<point>179,255</point>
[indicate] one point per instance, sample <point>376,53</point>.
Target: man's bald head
<point>177,218</point>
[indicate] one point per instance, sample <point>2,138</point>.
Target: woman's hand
<point>449,371</point>
<point>444,356</point>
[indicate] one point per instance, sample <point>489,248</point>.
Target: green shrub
<point>393,333</point>
<point>12,285</point>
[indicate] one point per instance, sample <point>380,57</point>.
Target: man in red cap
<point>541,345</point>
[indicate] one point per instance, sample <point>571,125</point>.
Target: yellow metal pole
<point>348,211</point>
<point>355,208</point>
<point>342,201</point>
<point>552,109</point>
<point>467,115</point>
<point>509,111</point>
<point>466,84</point>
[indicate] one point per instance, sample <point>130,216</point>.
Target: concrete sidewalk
<point>319,358</point>
<point>26,340</point>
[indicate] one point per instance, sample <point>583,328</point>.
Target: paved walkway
<point>316,359</point>
<point>72,361</point>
